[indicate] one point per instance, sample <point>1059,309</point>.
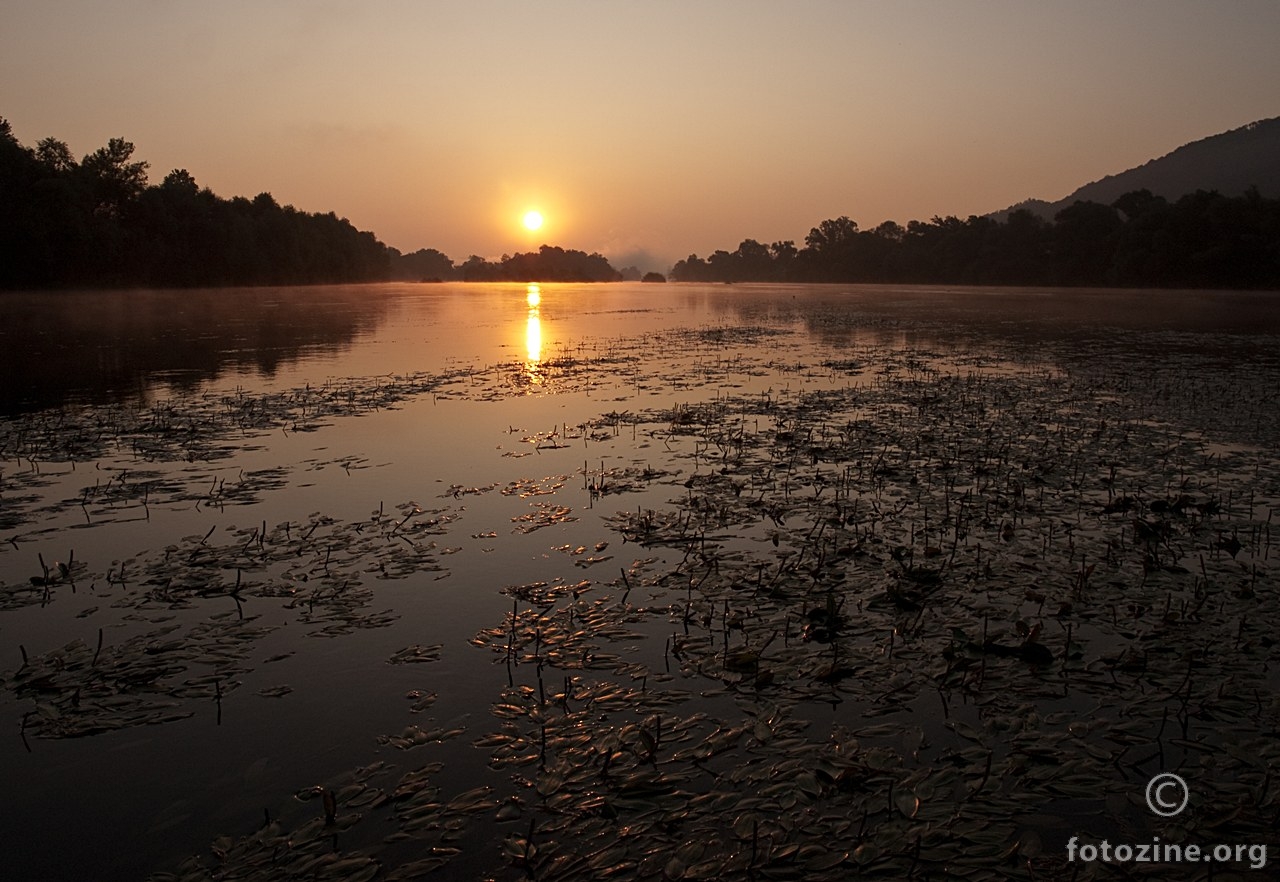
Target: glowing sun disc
<point>533,220</point>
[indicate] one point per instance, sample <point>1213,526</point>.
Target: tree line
<point>549,263</point>
<point>97,222</point>
<point>1203,239</point>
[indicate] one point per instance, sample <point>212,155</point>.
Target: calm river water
<point>705,581</point>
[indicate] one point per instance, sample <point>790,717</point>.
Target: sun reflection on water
<point>533,334</point>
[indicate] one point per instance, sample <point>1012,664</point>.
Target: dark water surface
<point>804,579</point>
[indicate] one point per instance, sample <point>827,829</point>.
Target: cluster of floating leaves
<point>192,427</point>
<point>188,428</point>
<point>1027,564</point>
<point>1073,593</point>
<point>191,433</point>
<point>321,571</point>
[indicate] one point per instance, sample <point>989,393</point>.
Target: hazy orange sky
<point>645,131</point>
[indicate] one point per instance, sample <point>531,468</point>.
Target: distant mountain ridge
<point>1230,163</point>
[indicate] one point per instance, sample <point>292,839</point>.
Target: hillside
<point>1229,163</point>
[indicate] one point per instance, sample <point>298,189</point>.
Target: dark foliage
<point>548,264</point>
<point>424,265</point>
<point>97,222</point>
<point>1203,240</point>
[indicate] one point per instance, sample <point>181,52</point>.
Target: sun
<point>533,220</point>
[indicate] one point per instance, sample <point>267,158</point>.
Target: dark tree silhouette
<point>424,265</point>
<point>549,264</point>
<point>1085,236</point>
<point>1204,239</point>
<point>97,222</point>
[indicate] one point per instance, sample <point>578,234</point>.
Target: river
<point>463,578</point>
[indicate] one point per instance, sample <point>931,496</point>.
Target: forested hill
<point>1229,163</point>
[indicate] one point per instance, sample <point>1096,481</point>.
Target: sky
<point>644,131</point>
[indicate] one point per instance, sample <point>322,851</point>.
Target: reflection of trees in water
<point>1028,314</point>
<point>101,345</point>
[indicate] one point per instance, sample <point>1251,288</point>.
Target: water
<point>271,499</point>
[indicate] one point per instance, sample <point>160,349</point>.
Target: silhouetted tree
<point>98,222</point>
<point>783,254</point>
<point>55,155</point>
<point>555,264</point>
<point>831,236</point>
<point>113,181</point>
<point>426,264</point>
<point>1022,250</point>
<point>1204,239</point>
<point>829,251</point>
<point>476,269</point>
<point>692,269</point>
<point>549,264</point>
<point>754,260</point>
<point>724,266</point>
<point>1085,236</point>
<point>891,231</point>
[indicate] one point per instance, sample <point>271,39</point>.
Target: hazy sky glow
<point>658,127</point>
